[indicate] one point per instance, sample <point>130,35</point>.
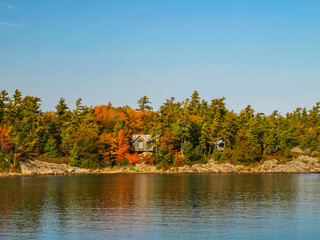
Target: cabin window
<point>140,144</point>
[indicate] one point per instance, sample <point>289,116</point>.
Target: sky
<point>252,52</point>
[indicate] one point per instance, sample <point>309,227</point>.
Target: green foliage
<point>144,103</point>
<point>287,153</point>
<point>250,154</point>
<point>124,162</point>
<point>164,158</point>
<point>75,157</point>
<point>132,168</point>
<point>51,148</point>
<point>4,162</point>
<point>216,154</point>
<point>191,154</point>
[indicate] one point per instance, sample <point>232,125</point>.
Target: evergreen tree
<point>51,148</point>
<point>144,104</point>
<point>75,157</point>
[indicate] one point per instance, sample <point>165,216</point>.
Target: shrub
<point>216,154</point>
<point>287,153</point>
<point>124,162</point>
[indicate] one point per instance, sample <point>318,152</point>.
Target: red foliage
<point>5,142</point>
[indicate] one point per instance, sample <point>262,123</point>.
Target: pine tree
<point>51,148</point>
<point>144,104</point>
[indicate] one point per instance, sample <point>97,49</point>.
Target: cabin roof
<point>146,138</point>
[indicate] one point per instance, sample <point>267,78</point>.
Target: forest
<point>184,132</point>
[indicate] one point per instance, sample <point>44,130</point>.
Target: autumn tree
<point>123,146</point>
<point>5,142</point>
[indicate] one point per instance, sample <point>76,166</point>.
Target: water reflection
<point>141,206</point>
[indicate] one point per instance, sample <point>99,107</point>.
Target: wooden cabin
<point>142,143</point>
<point>220,144</point>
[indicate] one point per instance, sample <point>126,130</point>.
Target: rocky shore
<point>35,167</point>
<point>302,164</point>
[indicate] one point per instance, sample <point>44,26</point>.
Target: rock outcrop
<point>35,167</point>
<point>302,164</point>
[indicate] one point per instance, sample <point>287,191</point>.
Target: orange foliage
<point>123,146</point>
<point>180,161</point>
<point>148,159</point>
<point>169,139</point>
<point>195,118</point>
<point>136,120</point>
<point>103,112</point>
<point>110,146</point>
<point>133,158</point>
<point>52,114</point>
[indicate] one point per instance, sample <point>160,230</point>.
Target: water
<point>141,206</point>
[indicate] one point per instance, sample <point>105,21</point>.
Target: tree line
<point>184,132</point>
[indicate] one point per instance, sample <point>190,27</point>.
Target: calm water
<point>140,206</point>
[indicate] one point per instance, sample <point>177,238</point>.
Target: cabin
<point>142,143</point>
<point>220,144</point>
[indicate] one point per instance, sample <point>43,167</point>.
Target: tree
<point>75,157</point>
<point>3,102</point>
<point>63,113</point>
<point>123,146</point>
<point>5,142</point>
<point>143,104</point>
<point>164,158</point>
<point>194,105</point>
<point>51,148</point>
<point>133,158</point>
<point>191,153</point>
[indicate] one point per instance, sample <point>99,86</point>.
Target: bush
<point>132,168</point>
<point>5,165</point>
<point>287,153</point>
<point>124,162</point>
<point>216,154</point>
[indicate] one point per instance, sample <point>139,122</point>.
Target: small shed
<point>220,144</point>
<point>142,143</point>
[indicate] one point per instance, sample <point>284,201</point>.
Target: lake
<point>146,206</point>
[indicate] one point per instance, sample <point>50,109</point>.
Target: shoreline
<point>300,165</point>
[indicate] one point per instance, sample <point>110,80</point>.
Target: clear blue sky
<point>262,53</point>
